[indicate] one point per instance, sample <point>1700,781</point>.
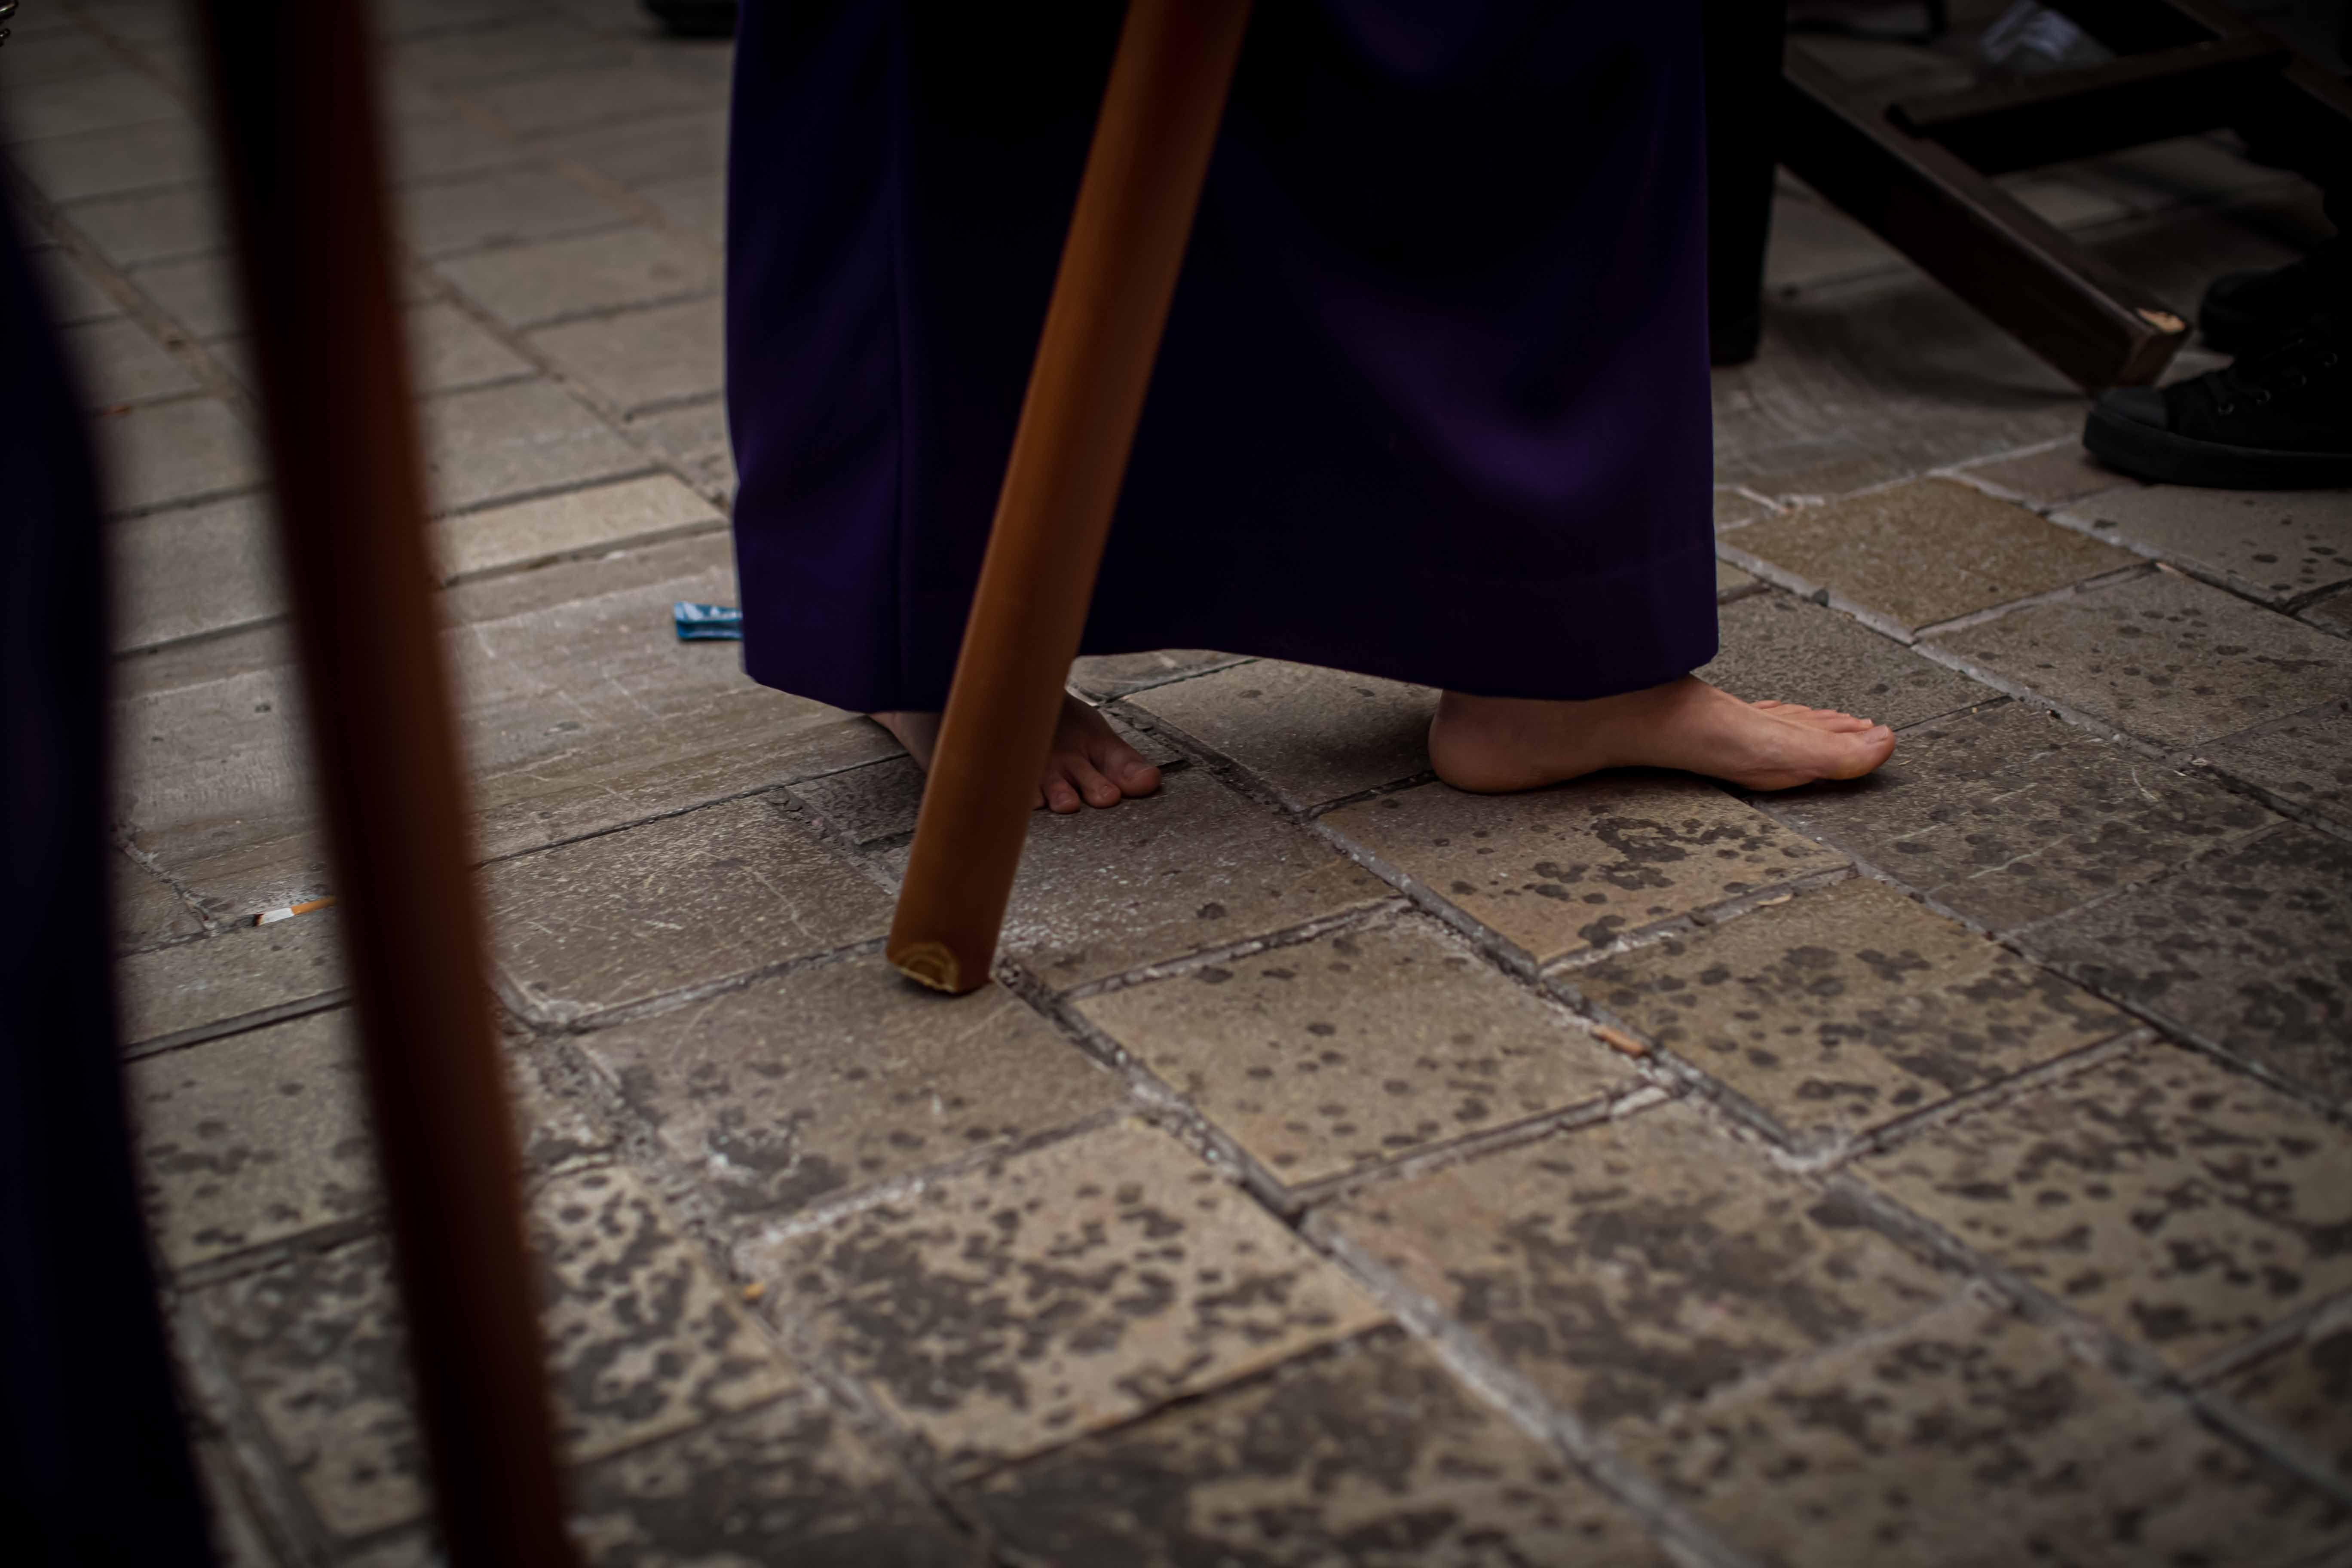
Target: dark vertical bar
<point>294,97</point>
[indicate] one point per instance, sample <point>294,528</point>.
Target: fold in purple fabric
<point>1432,400</point>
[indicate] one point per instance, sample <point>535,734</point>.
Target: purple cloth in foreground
<point>1433,401</point>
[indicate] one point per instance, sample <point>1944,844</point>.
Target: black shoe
<point>2244,310</point>
<point>2277,420</point>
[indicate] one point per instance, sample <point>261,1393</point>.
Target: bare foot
<point>1090,764</point>
<point>1492,744</point>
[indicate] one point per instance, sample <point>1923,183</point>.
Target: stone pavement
<point>1949,1168</point>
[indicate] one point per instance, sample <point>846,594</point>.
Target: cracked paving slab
<point>2183,1206</point>
<point>1054,1292</point>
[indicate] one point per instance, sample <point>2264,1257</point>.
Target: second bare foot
<point>1492,744</point>
<point>1090,764</point>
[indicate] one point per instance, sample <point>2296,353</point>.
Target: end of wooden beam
<point>932,964</point>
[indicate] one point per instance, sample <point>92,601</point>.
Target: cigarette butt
<point>754,1290</point>
<point>267,916</point>
<point>1619,1040</point>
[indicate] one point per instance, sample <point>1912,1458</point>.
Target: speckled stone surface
<point>1117,674</point>
<point>1561,871</point>
<point>2334,612</point>
<point>1313,735</point>
<point>1793,651</point>
<point>642,1338</point>
<point>1056,1291</point>
<point>2181,1204</point>
<point>678,902</point>
<point>1630,1264</point>
<point>1368,1457</point>
<point>2304,1388</point>
<point>2305,761</point>
<point>252,1139</point>
<point>2250,946</point>
<point>2060,473</point>
<point>2009,815</point>
<point>1191,868</point>
<point>237,972</point>
<point>1357,1046</point>
<point>1930,550</point>
<point>789,1483</point>
<point>1847,1006</point>
<point>796,1089</point>
<point>1971,1439</point>
<point>2273,545</point>
<point>2162,657</point>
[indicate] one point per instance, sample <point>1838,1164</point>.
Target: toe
<point>1061,798</point>
<point>1091,785</point>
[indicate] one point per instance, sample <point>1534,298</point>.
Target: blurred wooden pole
<point>1134,213</point>
<point>293,90</point>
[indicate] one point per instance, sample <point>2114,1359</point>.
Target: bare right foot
<point>1495,744</point>
<point>1090,764</point>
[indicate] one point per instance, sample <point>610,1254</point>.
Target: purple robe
<point>1432,399</point>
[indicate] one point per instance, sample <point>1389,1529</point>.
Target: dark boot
<point>2277,420</point>
<point>2241,311</point>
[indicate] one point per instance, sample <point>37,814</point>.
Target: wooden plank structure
<point>294,97</point>
<point>1916,168</point>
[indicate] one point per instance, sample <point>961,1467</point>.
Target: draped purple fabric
<point>1433,401</point>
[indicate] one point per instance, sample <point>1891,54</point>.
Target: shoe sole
<point>2159,455</point>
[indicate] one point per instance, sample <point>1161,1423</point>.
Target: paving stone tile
<point>233,973</point>
<point>790,1481</point>
<point>157,154</point>
<point>650,151</point>
<point>1974,1439</point>
<point>2305,1388</point>
<point>1357,1047</point>
<point>1848,1006</point>
<point>2048,475</point>
<point>1731,582</point>
<point>641,357</point>
<point>1732,509</point>
<point>797,1089</point>
<point>147,911</point>
<point>2334,612</point>
<point>643,1341</point>
<point>66,53</point>
<point>2305,760</point>
<point>1055,1292</point>
<point>571,100</point>
<point>1314,735</point>
<point>2182,1206</point>
<point>1106,676</point>
<point>2009,815</point>
<point>1636,1262</point>
<point>2250,946</point>
<point>73,295</point>
<point>514,439</point>
<point>499,207</point>
<point>1369,1454</point>
<point>1561,871</point>
<point>449,349</point>
<point>1193,867</point>
<point>532,285</point>
<point>2162,657</point>
<point>1930,550</point>
<point>186,572</point>
<point>1793,651</point>
<point>2274,544</point>
<point>510,48</point>
<point>158,225</point>
<point>529,532</point>
<point>198,294</point>
<point>119,362</point>
<point>695,206</point>
<point>77,105</point>
<point>189,449</point>
<point>1812,242</point>
<point>433,143</point>
<point>694,439</point>
<point>681,903</point>
<point>251,1139</point>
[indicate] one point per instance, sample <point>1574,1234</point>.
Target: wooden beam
<point>295,95</point>
<point>1126,245</point>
